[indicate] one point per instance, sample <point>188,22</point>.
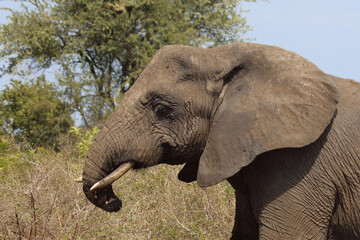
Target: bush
<point>84,138</point>
<point>34,112</point>
<point>4,160</point>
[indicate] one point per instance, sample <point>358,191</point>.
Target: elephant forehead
<point>176,62</point>
<point>160,73</point>
<point>179,91</point>
<point>169,77</point>
<point>165,86</point>
<point>185,55</point>
<point>173,71</point>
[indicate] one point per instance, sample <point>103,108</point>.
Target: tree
<point>101,46</point>
<point>34,111</point>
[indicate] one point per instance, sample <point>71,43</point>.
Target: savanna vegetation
<point>40,200</point>
<point>77,58</point>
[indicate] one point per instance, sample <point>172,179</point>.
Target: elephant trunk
<point>101,169</point>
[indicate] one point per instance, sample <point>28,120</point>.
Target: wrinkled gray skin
<point>282,132</point>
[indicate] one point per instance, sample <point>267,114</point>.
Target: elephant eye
<point>162,111</point>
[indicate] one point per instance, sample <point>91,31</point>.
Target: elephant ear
<point>272,99</point>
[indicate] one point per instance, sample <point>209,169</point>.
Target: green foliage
<point>100,47</point>
<point>10,156</point>
<point>34,112</point>
<point>84,138</point>
<point>4,145</point>
<point>4,160</point>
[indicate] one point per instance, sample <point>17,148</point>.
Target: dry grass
<point>40,200</point>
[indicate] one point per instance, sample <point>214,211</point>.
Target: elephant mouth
<point>103,198</point>
<point>112,205</point>
<point>101,193</point>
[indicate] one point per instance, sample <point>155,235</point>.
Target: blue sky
<point>327,32</point>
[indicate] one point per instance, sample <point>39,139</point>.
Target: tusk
<point>112,177</point>
<point>78,180</point>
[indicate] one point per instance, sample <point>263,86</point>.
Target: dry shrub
<point>40,200</point>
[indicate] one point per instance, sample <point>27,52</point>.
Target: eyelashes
<point>162,107</point>
<point>163,112</point>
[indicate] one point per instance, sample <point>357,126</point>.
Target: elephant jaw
<point>101,193</point>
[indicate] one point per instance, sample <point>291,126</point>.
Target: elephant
<point>283,133</point>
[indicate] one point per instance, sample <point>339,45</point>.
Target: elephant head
<point>214,110</point>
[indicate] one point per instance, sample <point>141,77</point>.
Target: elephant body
<point>306,193</point>
<point>283,133</point>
